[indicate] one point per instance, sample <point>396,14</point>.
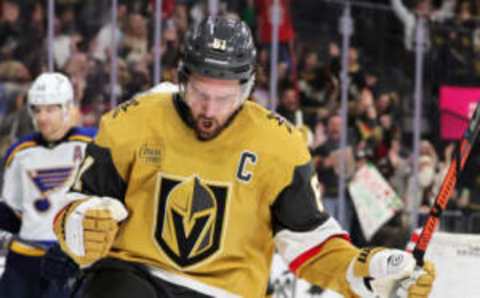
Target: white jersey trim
<point>191,284</point>
<point>292,244</point>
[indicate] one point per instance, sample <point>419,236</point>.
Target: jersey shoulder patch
<point>28,141</point>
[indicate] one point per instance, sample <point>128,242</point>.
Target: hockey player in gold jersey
<point>188,194</point>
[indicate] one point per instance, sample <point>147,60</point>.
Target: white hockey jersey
<point>37,176</point>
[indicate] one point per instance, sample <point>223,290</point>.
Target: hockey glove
<point>380,272</point>
<point>86,229</point>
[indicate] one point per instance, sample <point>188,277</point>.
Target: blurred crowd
<point>380,67</point>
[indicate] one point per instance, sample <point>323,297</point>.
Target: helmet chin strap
<point>35,125</point>
<point>247,88</point>
<point>66,112</point>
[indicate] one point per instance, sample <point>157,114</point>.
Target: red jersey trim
<point>304,257</point>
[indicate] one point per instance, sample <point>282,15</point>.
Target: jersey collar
<point>41,141</point>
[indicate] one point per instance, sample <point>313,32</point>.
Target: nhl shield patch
<point>190,218</point>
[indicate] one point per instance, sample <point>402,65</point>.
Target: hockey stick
<point>461,153</point>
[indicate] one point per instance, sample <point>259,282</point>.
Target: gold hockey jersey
<point>208,214</point>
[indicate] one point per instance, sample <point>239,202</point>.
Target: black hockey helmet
<point>221,48</point>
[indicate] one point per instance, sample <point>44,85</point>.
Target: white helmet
<point>164,87</point>
<point>51,88</point>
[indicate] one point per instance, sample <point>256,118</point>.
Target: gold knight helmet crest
<point>193,203</point>
<point>191,216</point>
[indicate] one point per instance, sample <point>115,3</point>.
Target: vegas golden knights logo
<point>190,219</point>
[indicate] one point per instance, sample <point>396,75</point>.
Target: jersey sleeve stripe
<point>293,244</point>
<point>16,149</point>
<point>301,259</point>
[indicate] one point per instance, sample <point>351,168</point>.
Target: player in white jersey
<point>39,170</point>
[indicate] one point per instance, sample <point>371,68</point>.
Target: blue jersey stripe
<point>28,138</point>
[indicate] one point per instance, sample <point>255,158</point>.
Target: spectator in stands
<point>321,93</point>
<point>457,51</point>
<point>247,13</point>
<point>170,46</point>
<point>33,33</point>
<point>421,192</point>
<point>14,77</point>
<point>263,58</point>
<point>422,8</point>
<point>140,80</point>
<point>356,69</point>
<point>387,115</point>
<point>286,33</point>
<point>10,28</point>
<point>124,77</point>
<point>319,134</point>
<point>261,92</point>
<point>308,65</point>
<point>366,121</point>
<point>318,87</point>
<point>289,104</point>
<point>14,71</point>
<point>327,158</point>
<point>66,17</point>
<point>427,148</point>
<point>135,42</point>
<point>181,16</point>
<point>289,107</point>
<point>103,39</point>
<point>168,8</point>
<point>395,167</point>
<point>16,122</point>
<point>77,68</point>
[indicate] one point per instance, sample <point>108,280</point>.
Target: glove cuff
<point>359,285</point>
<point>362,263</point>
<point>375,271</point>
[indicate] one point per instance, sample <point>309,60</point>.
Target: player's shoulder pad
<point>129,119</point>
<point>140,106</point>
<point>28,141</point>
<point>83,134</point>
<point>277,133</point>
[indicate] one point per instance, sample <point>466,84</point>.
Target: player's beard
<point>207,128</point>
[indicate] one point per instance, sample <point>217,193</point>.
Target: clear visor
<point>237,99</point>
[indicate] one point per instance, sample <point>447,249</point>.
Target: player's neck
<point>57,137</point>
